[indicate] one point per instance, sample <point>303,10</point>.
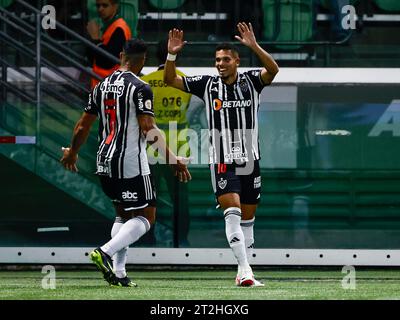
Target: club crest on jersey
<point>116,87</point>
<point>222,184</point>
<point>243,86</point>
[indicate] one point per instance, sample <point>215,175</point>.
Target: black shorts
<point>134,194</point>
<point>246,181</point>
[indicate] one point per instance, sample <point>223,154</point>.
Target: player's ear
<point>237,62</point>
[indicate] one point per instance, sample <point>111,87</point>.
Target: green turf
<point>182,285</point>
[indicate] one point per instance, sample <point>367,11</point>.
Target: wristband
<point>171,57</point>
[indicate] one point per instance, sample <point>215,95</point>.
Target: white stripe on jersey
<point>146,192</point>
<point>213,180</point>
<point>150,188</point>
<point>136,208</point>
<point>147,185</point>
<point>210,119</point>
<point>228,127</point>
<point>243,117</point>
<point>104,120</point>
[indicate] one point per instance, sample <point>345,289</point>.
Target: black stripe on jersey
<point>242,126</point>
<point>225,125</point>
<point>254,98</point>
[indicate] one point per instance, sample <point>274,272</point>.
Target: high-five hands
<point>247,36</point>
<point>175,41</point>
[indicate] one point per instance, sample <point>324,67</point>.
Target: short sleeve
<point>91,105</point>
<point>196,85</point>
<point>143,100</point>
<point>255,79</point>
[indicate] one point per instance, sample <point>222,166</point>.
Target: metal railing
<point>69,92</point>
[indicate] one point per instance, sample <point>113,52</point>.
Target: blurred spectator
<point>111,37</point>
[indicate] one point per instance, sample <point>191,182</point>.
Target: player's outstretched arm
<point>179,164</point>
<point>81,132</point>
<point>248,38</point>
<point>175,45</point>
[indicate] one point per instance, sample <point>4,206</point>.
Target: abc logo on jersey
<point>217,104</point>
<point>127,195</point>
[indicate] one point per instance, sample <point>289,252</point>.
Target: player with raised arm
<point>124,105</point>
<point>232,103</point>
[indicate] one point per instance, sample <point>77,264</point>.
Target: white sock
<point>248,232</point>
<point>129,233</point>
<point>119,258</point>
<point>235,237</point>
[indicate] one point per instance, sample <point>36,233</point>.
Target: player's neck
<point>134,70</point>
<point>231,79</point>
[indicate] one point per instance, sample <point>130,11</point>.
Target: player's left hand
<point>69,159</point>
<point>181,170</point>
<point>247,36</point>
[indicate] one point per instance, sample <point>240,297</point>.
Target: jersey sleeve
<point>91,106</point>
<point>143,100</point>
<point>196,85</point>
<point>255,78</point>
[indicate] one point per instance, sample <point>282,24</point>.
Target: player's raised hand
<point>69,159</point>
<point>175,41</point>
<point>247,36</point>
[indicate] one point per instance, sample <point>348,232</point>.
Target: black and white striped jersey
<point>117,101</point>
<point>231,114</point>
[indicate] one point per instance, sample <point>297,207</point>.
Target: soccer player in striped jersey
<point>232,102</point>
<point>124,105</point>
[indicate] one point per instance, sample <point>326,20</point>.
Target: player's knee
<point>229,200</point>
<point>150,214</point>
